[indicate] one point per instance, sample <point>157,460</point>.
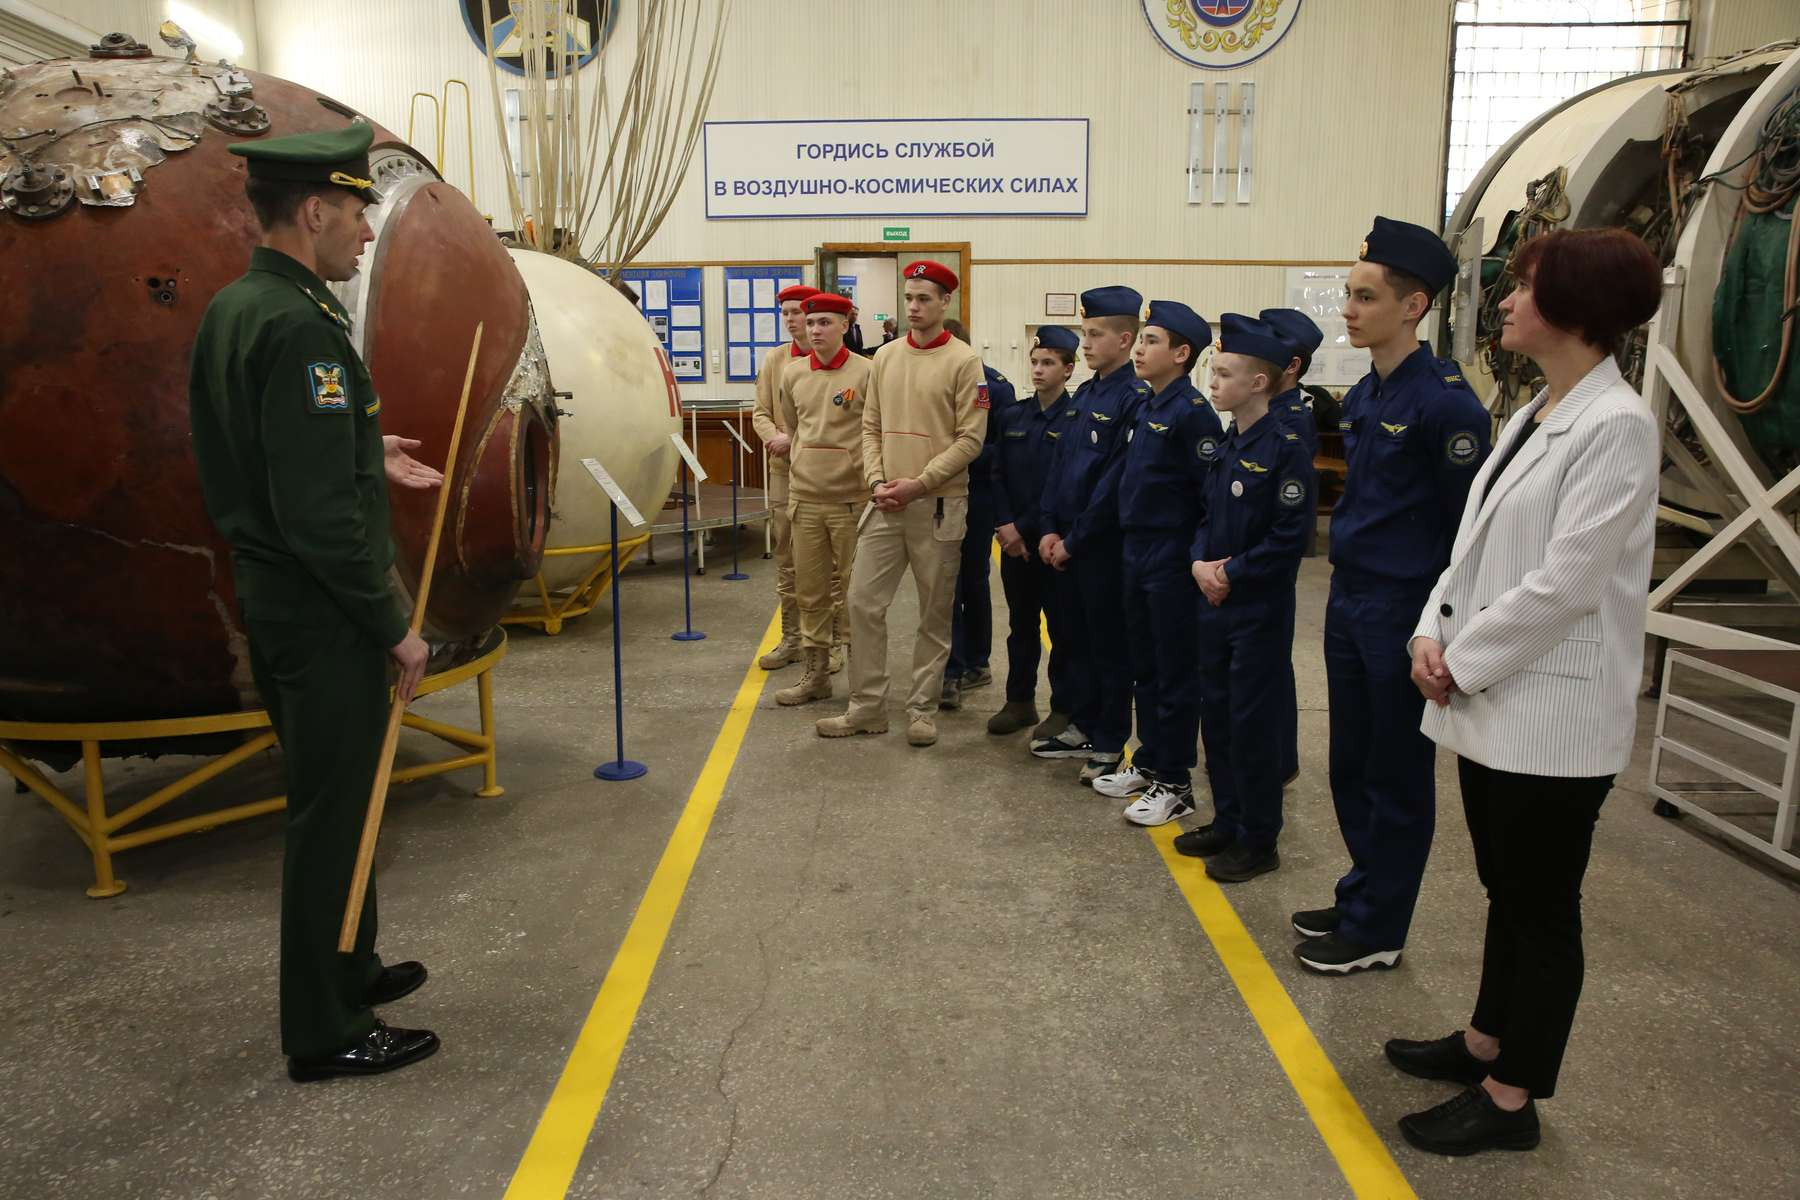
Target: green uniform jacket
<point>283,415</point>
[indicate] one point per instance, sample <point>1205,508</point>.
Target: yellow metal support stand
<point>553,608</point>
<point>101,832</point>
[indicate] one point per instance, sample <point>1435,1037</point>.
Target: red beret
<point>937,272</point>
<point>798,291</point>
<point>827,302</point>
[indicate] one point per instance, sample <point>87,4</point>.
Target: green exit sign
<point>896,233</point>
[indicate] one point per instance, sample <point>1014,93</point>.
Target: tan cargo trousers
<point>927,536</point>
<point>824,538</point>
<point>781,526</point>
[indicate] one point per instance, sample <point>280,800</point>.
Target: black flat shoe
<point>395,981</point>
<point>1203,842</point>
<point>1470,1123</point>
<point>1239,863</point>
<point>1447,1058</point>
<point>385,1049</point>
<point>1317,922</point>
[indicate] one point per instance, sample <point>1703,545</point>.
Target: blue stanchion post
<point>687,633</point>
<point>621,768</point>
<point>737,462</point>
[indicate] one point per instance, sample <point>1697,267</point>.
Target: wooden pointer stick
<point>365,853</point>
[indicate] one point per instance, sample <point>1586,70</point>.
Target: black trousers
<point>1531,834</point>
<point>1032,588</point>
<point>972,608</point>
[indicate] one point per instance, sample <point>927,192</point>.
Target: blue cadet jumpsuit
<point>1081,503</point>
<point>1258,502</point>
<point>1412,444</point>
<point>1159,508</point>
<point>1025,436</point>
<point>972,608</point>
<point>1296,327</point>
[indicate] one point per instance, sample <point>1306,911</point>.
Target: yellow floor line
<point>1367,1166</point>
<point>550,1160</point>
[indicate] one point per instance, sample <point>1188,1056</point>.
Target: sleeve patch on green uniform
<point>325,381</point>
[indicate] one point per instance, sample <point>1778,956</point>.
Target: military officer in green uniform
<point>294,469</point>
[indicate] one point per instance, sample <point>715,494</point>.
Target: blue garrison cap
<point>1239,334</point>
<point>1057,337</point>
<point>1410,248</point>
<point>1177,317</point>
<point>1294,326</point>
<point>1111,302</point>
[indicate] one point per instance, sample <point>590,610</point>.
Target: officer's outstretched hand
<point>403,470</point>
<point>1429,674</point>
<point>1011,544</point>
<point>411,653</point>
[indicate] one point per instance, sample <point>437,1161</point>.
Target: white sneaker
<point>1160,805</point>
<point>1070,743</point>
<point>1121,784</point>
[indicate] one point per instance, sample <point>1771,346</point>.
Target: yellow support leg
<point>484,688</point>
<point>98,841</point>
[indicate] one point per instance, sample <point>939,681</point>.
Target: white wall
<point>140,18</point>
<point>1351,123</point>
<point>1724,27</point>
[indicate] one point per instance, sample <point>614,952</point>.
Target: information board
<point>753,317</point>
<point>670,298</point>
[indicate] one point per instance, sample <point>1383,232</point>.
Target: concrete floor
<point>942,973</point>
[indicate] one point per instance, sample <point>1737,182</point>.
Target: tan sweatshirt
<point>767,418</point>
<point>827,401</point>
<point>926,415</point>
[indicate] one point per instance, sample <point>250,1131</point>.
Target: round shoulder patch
<point>1208,449</point>
<point>1292,493</point>
<point>1463,447</point>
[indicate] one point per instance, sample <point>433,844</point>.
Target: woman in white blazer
<point>1530,654</point>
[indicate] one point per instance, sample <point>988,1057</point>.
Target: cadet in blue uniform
<point>287,437</point>
<point>1025,435</point>
<point>1297,330</point>
<point>1245,555</point>
<point>1080,510</point>
<point>1159,506</point>
<point>1414,437</point>
<point>972,608</point>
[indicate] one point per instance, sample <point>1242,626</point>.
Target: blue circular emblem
<point>1220,12</point>
<point>588,22</point>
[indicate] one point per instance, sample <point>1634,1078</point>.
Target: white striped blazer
<point>1541,610</point>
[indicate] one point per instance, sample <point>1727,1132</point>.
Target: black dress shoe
<point>1471,1123</point>
<point>1203,842</point>
<point>1317,922</point>
<point>1447,1058</point>
<point>385,1049</point>
<point>396,980</point>
<point>1239,862</point>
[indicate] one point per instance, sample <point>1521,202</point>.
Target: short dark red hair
<point>1598,284</point>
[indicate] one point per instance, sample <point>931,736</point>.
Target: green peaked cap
<point>329,156</point>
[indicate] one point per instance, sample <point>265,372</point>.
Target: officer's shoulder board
<point>1451,372</point>
<point>1142,388</point>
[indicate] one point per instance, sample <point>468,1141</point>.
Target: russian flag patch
<point>981,395</point>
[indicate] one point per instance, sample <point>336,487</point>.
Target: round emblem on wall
<point>587,23</point>
<point>1220,34</point>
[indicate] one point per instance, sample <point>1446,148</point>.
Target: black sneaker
<point>1335,954</point>
<point>951,697</point>
<point>1317,922</point>
<point>1239,862</point>
<point>1446,1058</point>
<point>1471,1123</point>
<point>1203,842</point>
<point>979,677</point>
<point>1070,743</point>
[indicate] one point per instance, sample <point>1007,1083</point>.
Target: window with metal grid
<point>1512,60</point>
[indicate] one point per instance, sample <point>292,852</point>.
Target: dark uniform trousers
<point>1242,644</point>
<point>1032,588</point>
<point>1382,768</point>
<point>972,612</point>
<point>325,686</point>
<point>1105,662</point>
<point>1159,597</point>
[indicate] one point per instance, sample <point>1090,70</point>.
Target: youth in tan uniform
<point>775,427</point>
<point>825,392</point>
<point>923,424</point>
